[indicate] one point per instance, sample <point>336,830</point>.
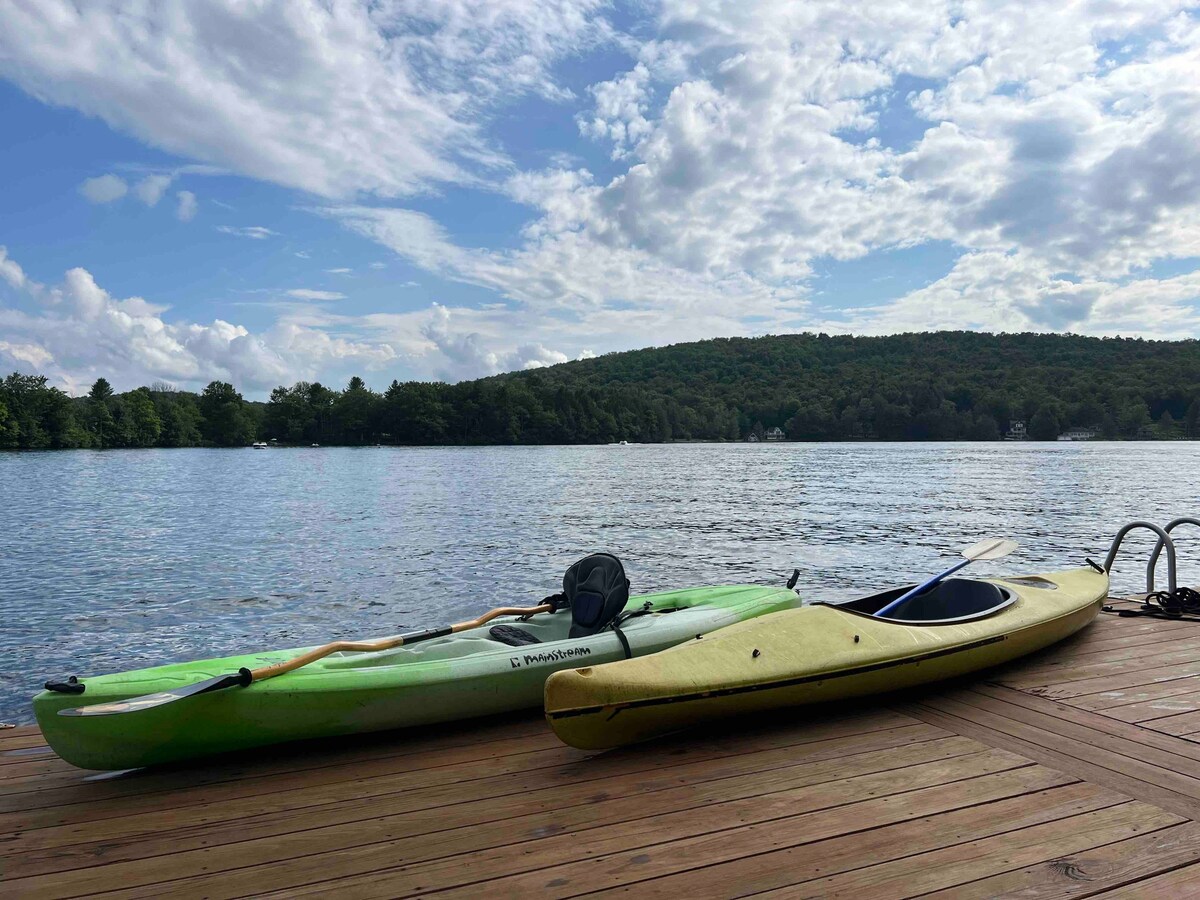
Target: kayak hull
<point>457,677</point>
<point>813,654</point>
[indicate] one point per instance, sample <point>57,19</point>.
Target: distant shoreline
<point>694,443</point>
<point>907,388</point>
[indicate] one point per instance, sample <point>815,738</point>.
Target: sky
<point>266,192</point>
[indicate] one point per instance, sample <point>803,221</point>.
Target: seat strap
<point>624,640</point>
<point>646,610</point>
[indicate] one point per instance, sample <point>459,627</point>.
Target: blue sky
<point>270,192</point>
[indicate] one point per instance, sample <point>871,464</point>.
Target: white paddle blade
<point>991,548</point>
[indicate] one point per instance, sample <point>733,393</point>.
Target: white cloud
<point>468,357</point>
<point>10,271</point>
<point>104,189</point>
<point>378,265</point>
<point>254,232</point>
<point>330,97</point>
<point>151,188</point>
<point>185,210</point>
<point>306,294</point>
<point>995,291</point>
<point>752,142</point>
<point>1055,146</point>
<point>340,271</point>
<point>34,355</point>
<point>79,332</point>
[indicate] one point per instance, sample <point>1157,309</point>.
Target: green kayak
<point>471,673</point>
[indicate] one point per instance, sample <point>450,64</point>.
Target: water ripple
<point>114,560</point>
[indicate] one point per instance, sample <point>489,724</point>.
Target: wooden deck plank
<point>419,752</point>
<point>843,841</point>
<point>1091,642</point>
<point>760,858</point>
<point>1083,874</point>
<point>1132,676</point>
<point>24,737</point>
<point>291,810</point>
<point>1106,699</point>
<point>355,782</point>
<point>1180,883</point>
<point>1072,672</point>
<point>516,850</point>
<point>1113,652</point>
<point>945,868</point>
<point>1118,736</point>
<point>1062,756</point>
<point>1146,711</point>
<point>1180,724</point>
<point>577,805</point>
<point>1115,754</point>
<point>1104,761</point>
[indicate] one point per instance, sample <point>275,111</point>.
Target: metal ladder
<point>1164,540</point>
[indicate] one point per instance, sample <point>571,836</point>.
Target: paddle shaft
<point>400,640</point>
<point>921,588</point>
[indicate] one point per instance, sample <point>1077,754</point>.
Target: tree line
<point>913,387</point>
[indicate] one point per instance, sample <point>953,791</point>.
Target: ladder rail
<point>1158,548</point>
<point>1164,539</point>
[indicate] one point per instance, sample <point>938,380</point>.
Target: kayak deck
<point>1051,778</point>
<point>818,653</point>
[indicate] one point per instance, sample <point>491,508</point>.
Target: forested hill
<point>926,386</point>
<point>939,386</point>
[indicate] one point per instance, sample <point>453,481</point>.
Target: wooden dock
<point>1075,773</point>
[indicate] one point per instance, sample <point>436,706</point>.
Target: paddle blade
<point>150,701</point>
<point>990,548</point>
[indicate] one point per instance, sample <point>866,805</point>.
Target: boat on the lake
<point>260,445</point>
<point>823,652</point>
<point>475,672</point>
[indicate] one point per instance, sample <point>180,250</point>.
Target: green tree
<point>101,390</point>
<point>1044,425</point>
<point>1166,425</point>
<point>984,428</point>
<point>355,411</point>
<point>10,434</point>
<point>144,424</point>
<point>1190,418</point>
<point>40,416</point>
<point>225,419</point>
<point>1133,417</point>
<point>99,419</point>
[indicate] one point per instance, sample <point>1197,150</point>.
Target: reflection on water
<point>121,559</point>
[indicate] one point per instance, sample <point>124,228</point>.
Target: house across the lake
<point>775,434</point>
<point>1080,434</point>
<point>1016,431</point>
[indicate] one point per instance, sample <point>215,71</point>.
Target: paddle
<point>990,548</point>
<point>245,677</point>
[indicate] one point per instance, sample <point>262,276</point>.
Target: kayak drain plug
<point>856,639</point>
<point>755,654</point>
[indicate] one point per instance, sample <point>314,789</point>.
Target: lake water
<point>120,559</point>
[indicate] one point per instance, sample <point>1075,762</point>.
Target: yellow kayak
<point>822,652</point>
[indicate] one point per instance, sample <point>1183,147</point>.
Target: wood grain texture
<point>1074,773</point>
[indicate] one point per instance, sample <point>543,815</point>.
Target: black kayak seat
<point>597,590</point>
<point>949,601</point>
<point>512,635</point>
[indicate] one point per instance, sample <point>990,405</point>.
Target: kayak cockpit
<point>946,603</point>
